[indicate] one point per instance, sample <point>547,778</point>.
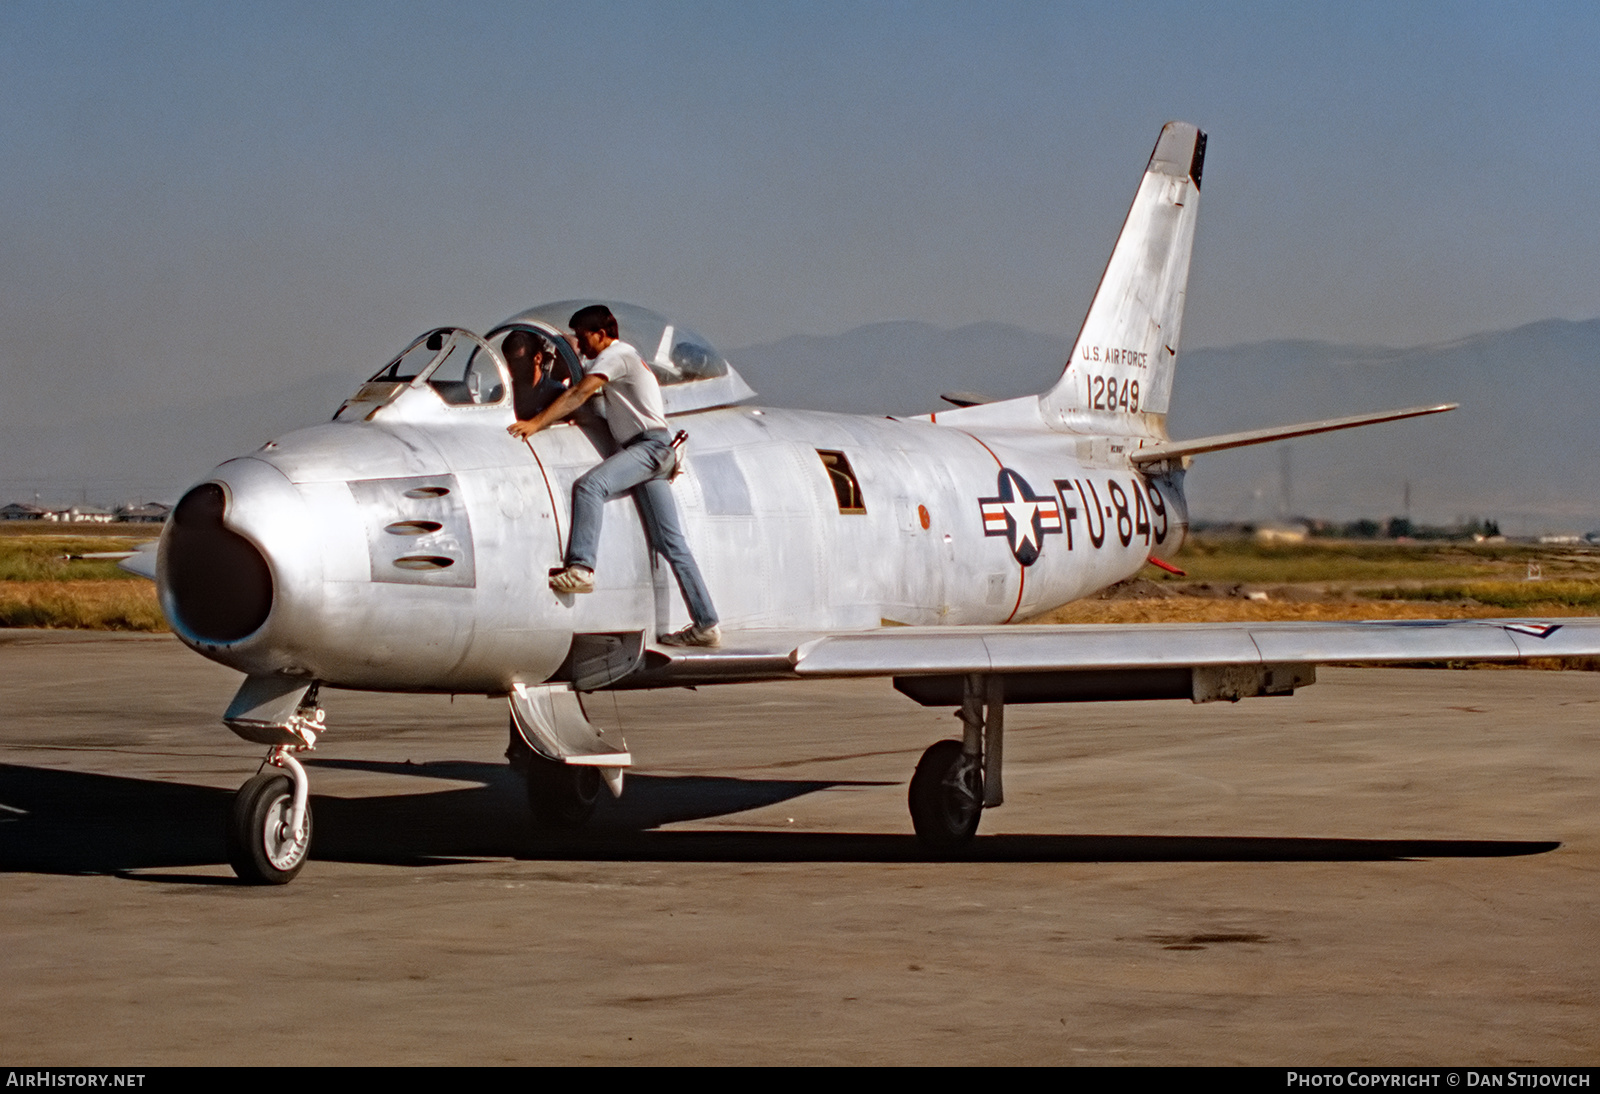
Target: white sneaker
<point>574,579</point>
<point>709,637</point>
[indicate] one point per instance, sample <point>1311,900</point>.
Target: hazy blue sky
<point>225,196</point>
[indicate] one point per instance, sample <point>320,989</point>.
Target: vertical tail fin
<point>1119,379</point>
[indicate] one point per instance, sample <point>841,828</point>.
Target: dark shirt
<point>529,401</point>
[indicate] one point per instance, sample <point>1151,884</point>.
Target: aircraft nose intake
<point>219,584</point>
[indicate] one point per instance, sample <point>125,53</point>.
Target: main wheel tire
<point>562,796</point>
<point>946,796</point>
<point>261,848</point>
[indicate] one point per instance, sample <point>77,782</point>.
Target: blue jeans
<point>642,467</point>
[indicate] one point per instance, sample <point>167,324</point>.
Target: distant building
<point>150,512</point>
<point>81,514</point>
<point>1282,533</point>
<point>23,511</point>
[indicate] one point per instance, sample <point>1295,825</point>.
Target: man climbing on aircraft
<point>642,464</point>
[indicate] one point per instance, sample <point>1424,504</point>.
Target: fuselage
<point>410,549</point>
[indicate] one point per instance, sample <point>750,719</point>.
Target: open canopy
<point>693,374</point>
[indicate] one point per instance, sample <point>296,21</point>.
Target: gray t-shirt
<point>632,395</point>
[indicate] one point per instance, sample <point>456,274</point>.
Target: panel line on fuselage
<point>555,510</point>
<point>1022,571</point>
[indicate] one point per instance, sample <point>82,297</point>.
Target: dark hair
<point>525,342</point>
<point>594,317</point>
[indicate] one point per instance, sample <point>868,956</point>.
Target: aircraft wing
<point>1100,661</point>
<point>141,561</point>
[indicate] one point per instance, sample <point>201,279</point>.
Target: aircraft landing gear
<point>946,795</point>
<point>269,824</point>
<point>562,796</point>
<point>956,780</point>
<point>561,757</point>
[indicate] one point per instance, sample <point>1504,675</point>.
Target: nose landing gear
<point>269,824</point>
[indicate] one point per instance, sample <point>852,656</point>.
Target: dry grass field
<point>1226,580</point>
<point>1234,579</point>
<point>41,585</point>
<point>81,605</point>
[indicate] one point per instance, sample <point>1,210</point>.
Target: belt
<point>660,436</point>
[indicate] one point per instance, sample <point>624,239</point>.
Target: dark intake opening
<point>221,586</point>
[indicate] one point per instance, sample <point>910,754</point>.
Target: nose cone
<point>237,567</point>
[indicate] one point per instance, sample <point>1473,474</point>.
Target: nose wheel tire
<point>262,848</point>
<point>946,796</point>
<point>562,796</point>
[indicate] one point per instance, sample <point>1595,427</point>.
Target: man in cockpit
<point>532,361</point>
<point>643,462</point>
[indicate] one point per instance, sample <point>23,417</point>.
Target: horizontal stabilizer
<point>141,561</point>
<point>967,398</point>
<point>1170,450</point>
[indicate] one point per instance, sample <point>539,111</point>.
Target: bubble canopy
<point>692,373</point>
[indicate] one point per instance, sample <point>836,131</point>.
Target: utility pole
<point>1285,482</point>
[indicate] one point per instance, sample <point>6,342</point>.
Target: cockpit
<point>464,369</point>
<point>692,373</point>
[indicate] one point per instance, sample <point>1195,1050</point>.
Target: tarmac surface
<point>1392,867</point>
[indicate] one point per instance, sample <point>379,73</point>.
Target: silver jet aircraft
<point>406,546</point>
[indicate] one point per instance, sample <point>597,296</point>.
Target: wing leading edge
<point>1125,656</point>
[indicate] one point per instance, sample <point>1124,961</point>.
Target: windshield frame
<point>449,338</point>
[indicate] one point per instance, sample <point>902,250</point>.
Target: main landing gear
<point>956,780</point>
<point>562,758</point>
<point>561,795</point>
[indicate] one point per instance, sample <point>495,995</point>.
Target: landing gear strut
<point>269,825</point>
<point>956,780</point>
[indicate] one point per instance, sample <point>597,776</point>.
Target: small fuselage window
<point>845,486</point>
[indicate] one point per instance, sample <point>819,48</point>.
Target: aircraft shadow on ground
<point>65,822</point>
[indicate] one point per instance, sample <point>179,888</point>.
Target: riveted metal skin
<point>760,511</point>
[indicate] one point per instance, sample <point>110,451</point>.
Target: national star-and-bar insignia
<point>1532,629</point>
<point>1020,515</point>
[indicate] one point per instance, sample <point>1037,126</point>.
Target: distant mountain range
<point>1523,449</point>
